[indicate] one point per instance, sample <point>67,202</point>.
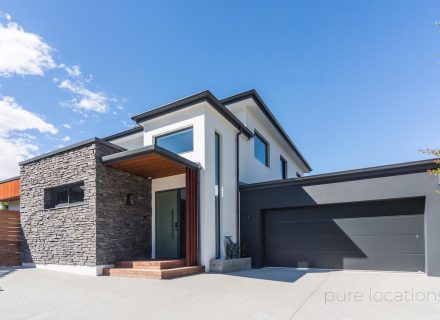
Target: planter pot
<point>229,265</point>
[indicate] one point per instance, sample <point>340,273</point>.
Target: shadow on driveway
<point>4,271</point>
<point>276,274</point>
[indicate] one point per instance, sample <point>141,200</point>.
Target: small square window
<point>64,196</point>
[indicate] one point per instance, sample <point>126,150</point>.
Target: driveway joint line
<point>310,295</point>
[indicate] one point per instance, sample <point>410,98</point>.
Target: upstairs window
<point>178,141</point>
<point>261,149</point>
<point>65,196</point>
<point>283,167</point>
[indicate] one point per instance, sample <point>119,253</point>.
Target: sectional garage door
<point>376,235</point>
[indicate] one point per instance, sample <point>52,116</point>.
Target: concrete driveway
<point>270,293</point>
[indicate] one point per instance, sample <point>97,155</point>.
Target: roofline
<point>70,147</point>
<point>189,101</point>
<point>9,179</point>
<point>112,158</point>
<point>125,133</point>
<point>263,107</point>
<point>340,176</point>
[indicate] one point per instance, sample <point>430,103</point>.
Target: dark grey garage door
<point>376,235</point>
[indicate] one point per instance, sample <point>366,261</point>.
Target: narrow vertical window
<point>283,167</point>
<point>217,195</point>
<point>261,149</point>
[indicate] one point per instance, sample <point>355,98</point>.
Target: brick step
<point>151,264</point>
<point>153,273</point>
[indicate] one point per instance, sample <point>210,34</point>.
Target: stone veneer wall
<point>98,231</point>
<point>59,235</point>
<point>123,232</point>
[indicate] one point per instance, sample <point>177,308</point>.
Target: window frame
<point>52,193</point>
<point>267,153</point>
<point>218,190</point>
<point>162,135</point>
<point>284,168</point>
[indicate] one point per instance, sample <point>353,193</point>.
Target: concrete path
<point>263,294</point>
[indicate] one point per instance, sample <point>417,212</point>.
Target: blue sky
<point>354,83</point>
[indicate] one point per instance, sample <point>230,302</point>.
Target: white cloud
<point>21,52</point>
<point>66,138</point>
<point>73,71</point>
<point>67,126</point>
<point>87,100</point>
<point>15,143</point>
<point>14,118</point>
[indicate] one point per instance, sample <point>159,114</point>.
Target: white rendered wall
<point>205,121</point>
<point>189,117</point>
<point>252,170</point>
<point>228,184</point>
<point>132,141</point>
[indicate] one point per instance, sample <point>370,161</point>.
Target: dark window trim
<point>174,132</point>
<point>284,172</point>
<point>53,190</point>
<point>218,204</point>
<point>258,134</point>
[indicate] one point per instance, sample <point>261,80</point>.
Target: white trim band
<point>82,270</point>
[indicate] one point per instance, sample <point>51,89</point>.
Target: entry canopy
<point>149,162</point>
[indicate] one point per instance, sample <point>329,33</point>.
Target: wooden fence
<point>9,238</point>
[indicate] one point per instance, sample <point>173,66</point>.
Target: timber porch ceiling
<point>149,162</point>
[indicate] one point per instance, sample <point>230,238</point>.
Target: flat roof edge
<point>357,174</point>
<point>68,148</point>
<point>124,155</point>
<point>10,179</point>
<point>125,133</point>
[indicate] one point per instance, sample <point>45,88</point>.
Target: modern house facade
<point>127,196</point>
<point>199,169</point>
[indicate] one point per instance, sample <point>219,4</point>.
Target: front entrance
<point>170,224</point>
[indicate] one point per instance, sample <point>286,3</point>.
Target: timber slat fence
<point>10,229</point>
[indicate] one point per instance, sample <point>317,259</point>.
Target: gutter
<point>349,175</point>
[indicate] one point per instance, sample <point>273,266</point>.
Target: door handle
<point>172,224</point>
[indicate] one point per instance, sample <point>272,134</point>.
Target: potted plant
<point>236,258</point>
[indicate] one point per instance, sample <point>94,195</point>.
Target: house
<point>199,169</point>
<point>167,188</point>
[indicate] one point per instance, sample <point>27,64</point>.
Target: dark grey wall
<point>123,232</point>
<point>255,200</point>
<point>101,230</point>
<point>59,235</point>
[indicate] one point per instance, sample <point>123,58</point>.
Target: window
<point>217,194</point>
<point>283,166</point>
<point>177,141</point>
<point>261,149</point>
<point>65,196</point>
